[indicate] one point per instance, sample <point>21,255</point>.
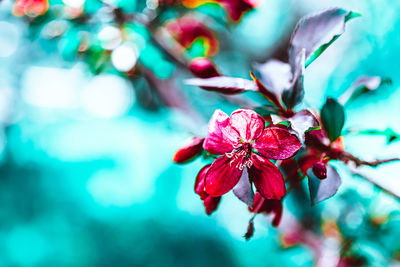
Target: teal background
<point>86,176</point>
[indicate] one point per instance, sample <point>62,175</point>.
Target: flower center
<point>241,156</point>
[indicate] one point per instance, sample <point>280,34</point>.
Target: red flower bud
<point>189,150</point>
<point>203,68</point>
<point>250,230</point>
<point>319,170</point>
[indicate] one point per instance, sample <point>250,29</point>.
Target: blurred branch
<point>356,172</point>
<point>345,156</point>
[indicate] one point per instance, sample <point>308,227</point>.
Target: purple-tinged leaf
<point>294,94</point>
<point>223,84</point>
<point>300,123</point>
<point>267,92</point>
<point>275,75</point>
<point>360,86</point>
<point>323,189</point>
<point>244,190</point>
<point>317,32</point>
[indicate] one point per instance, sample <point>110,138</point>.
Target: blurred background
<point>86,171</point>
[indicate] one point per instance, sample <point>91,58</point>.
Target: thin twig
<point>385,189</point>
<point>345,156</point>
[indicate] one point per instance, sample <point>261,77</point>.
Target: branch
<point>345,156</point>
<point>361,175</point>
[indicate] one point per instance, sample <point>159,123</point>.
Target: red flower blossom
<point>244,143</point>
<point>234,8</point>
<point>186,30</point>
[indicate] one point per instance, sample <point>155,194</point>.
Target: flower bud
<point>189,150</point>
<point>319,170</point>
<point>203,68</point>
<point>250,230</point>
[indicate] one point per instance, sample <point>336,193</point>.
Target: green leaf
<point>284,123</point>
<point>313,128</point>
<point>265,111</point>
<point>332,118</point>
<point>362,86</point>
<point>391,136</point>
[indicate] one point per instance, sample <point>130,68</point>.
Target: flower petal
<point>221,137</point>
<point>277,143</point>
<point>199,183</point>
<point>211,204</point>
<point>248,123</point>
<point>267,178</point>
<point>223,175</point>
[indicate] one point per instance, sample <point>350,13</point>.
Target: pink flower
<point>244,143</point>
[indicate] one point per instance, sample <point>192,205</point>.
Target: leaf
<point>303,121</point>
<point>294,94</point>
<point>300,123</point>
<point>223,84</point>
<point>323,189</point>
<point>275,75</point>
<point>390,134</point>
<point>244,190</point>
<point>264,111</point>
<point>266,92</point>
<point>332,118</point>
<point>361,86</point>
<point>318,32</point>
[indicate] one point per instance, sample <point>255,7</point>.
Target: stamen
<point>230,154</point>
<point>249,163</point>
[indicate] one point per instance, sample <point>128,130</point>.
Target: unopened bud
<point>250,230</point>
<point>319,170</point>
<point>189,150</point>
<point>203,68</point>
